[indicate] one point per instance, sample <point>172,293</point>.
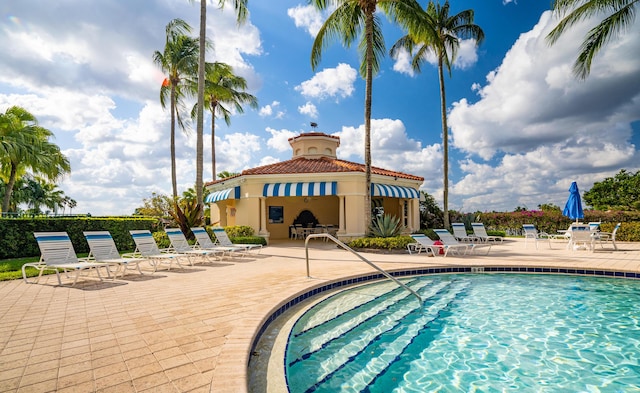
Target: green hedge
<point>383,243</point>
<point>17,234</point>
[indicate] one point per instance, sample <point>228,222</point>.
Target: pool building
<point>313,188</point>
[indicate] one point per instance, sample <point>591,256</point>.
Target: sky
<point>522,128</point>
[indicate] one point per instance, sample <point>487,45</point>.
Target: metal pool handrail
<point>373,265</point>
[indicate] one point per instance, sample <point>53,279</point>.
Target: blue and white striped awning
<point>386,190</point>
<point>300,189</point>
<point>229,193</point>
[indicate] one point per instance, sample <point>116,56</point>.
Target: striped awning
<point>300,189</point>
<point>386,190</point>
<point>229,193</point>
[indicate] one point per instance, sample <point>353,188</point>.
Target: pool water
<point>473,333</point>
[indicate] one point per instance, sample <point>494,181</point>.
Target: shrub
<point>383,243</point>
<point>249,240</point>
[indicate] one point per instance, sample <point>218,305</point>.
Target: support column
<point>341,228</point>
<point>263,216</point>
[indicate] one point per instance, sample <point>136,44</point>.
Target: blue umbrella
<point>573,208</point>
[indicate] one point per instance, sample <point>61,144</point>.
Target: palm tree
<point>223,87</point>
<point>25,146</point>
<point>241,15</point>
<point>437,33</point>
<point>350,19</point>
<point>179,60</point>
<point>618,16</point>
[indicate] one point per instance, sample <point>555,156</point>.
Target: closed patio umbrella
<point>573,207</point>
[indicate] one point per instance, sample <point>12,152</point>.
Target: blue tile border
<point>427,271</point>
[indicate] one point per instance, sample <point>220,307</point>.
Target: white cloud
<point>309,109</point>
<point>331,82</point>
<point>306,17</point>
<point>267,110</point>
<point>402,62</point>
<point>279,139</point>
<point>392,148</point>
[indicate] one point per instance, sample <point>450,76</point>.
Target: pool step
<point>345,302</point>
<point>366,356</point>
<point>315,339</point>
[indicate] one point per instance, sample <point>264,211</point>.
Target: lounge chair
<point>460,233</point>
<point>581,237</point>
<point>147,247</point>
<point>601,237</point>
<point>180,245</point>
<point>204,242</point>
<point>532,234</point>
<point>450,241</point>
<point>103,249</point>
<point>481,233</point>
<point>424,243</point>
<point>57,253</point>
<point>224,240</point>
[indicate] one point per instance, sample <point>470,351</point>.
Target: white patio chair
<point>460,233</point>
<point>147,247</point>
<point>601,237</point>
<point>57,253</point>
<point>480,232</point>
<point>103,249</point>
<point>223,239</point>
<point>180,245</point>
<point>581,237</point>
<point>532,234</point>
<point>450,241</point>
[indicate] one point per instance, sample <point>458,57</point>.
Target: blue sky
<point>522,128</point>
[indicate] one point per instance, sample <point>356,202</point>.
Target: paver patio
<point>191,330</point>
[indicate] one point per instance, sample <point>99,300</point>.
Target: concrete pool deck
<point>191,330</point>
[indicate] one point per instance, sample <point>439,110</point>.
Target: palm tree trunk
<point>213,139</point>
<point>9,190</point>
<point>200,114</point>
<point>445,144</point>
<point>367,120</point>
<point>174,180</point>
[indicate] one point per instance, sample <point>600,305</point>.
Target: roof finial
<point>314,125</point>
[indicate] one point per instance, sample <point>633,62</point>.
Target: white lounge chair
<point>481,233</point>
<point>204,242</point>
<point>103,249</point>
<point>423,243</point>
<point>532,234</point>
<point>450,241</point>
<point>601,237</point>
<point>147,247</point>
<point>224,240</point>
<point>57,253</point>
<point>460,233</point>
<point>180,245</point>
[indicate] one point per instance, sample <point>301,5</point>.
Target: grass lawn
<point>10,269</point>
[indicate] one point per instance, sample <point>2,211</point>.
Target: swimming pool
<point>474,332</point>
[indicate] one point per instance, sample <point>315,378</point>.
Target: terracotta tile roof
<point>320,165</point>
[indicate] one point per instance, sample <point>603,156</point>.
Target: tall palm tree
<point>436,32</point>
<point>618,16</point>
<point>222,88</point>
<point>350,19</point>
<point>25,146</point>
<point>179,60</point>
<point>240,7</point>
